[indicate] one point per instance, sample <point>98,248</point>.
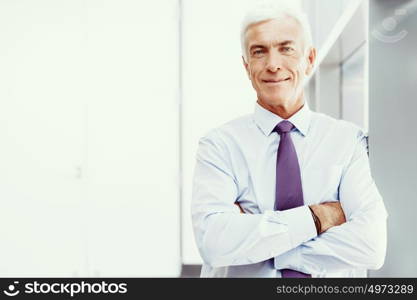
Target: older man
<point>285,192</point>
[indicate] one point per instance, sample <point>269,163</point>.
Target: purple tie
<point>288,189</point>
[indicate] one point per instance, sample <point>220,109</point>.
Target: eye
<point>258,52</point>
<point>287,49</point>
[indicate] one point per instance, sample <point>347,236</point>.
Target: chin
<point>277,99</point>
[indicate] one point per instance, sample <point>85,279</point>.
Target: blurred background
<point>102,103</point>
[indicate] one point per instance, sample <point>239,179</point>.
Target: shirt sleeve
<point>358,243</point>
<point>224,236</point>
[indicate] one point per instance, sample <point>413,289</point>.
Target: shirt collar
<point>267,120</point>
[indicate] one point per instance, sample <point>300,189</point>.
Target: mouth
<point>274,82</point>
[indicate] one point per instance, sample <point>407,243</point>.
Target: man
<point>285,192</point>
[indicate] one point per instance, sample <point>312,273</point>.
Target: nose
<point>274,62</point>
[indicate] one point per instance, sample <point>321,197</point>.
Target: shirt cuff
<point>300,222</point>
<point>289,260</point>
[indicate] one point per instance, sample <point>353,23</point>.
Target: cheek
<point>256,77</point>
<point>297,67</point>
<point>298,74</point>
<point>255,70</point>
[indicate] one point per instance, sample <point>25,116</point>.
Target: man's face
<point>277,62</point>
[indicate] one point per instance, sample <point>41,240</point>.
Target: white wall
<point>88,138</point>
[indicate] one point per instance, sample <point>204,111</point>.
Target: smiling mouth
<point>276,81</point>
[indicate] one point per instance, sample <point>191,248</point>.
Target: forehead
<point>274,31</point>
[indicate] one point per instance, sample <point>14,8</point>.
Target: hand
<point>329,213</point>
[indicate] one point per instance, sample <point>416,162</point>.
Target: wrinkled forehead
<point>274,31</point>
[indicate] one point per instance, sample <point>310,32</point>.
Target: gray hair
<point>272,12</point>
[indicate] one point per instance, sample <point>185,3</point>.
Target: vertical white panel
<point>328,13</point>
<point>354,87</point>
<point>340,86</point>
<point>133,138</point>
<point>41,138</point>
<point>329,86</point>
<point>89,138</point>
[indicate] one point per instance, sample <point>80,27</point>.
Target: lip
<point>275,81</point>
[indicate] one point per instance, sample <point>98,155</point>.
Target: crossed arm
<point>360,242</point>
<point>328,215</point>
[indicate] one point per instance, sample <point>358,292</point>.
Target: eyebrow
<point>285,43</point>
<point>280,44</point>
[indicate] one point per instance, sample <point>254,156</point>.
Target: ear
<point>246,65</point>
<point>311,59</point>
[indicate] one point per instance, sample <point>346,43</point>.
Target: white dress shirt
<point>237,162</point>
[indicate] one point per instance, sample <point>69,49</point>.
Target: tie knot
<point>284,127</point>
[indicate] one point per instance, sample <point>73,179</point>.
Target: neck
<point>286,110</point>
